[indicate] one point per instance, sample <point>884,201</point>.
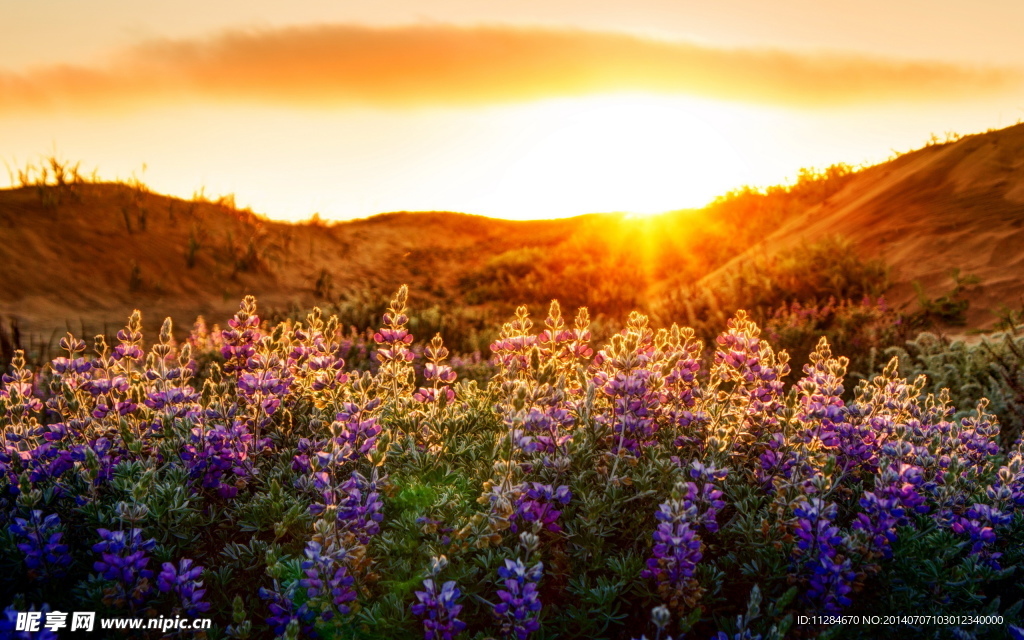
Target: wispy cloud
<point>446,65</point>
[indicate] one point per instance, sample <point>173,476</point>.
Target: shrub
<point>990,366</point>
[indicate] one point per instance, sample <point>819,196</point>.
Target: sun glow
<point>634,153</point>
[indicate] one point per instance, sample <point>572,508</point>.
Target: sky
<point>525,109</point>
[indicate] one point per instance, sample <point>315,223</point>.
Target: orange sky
<point>526,109</point>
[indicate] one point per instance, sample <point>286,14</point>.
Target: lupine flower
<point>743,358</point>
<point>263,384</point>
<point>357,429</point>
<point>683,389</point>
<point>512,348</point>
<point>438,610</point>
<point>393,352</point>
<point>239,342</point>
<point>546,429</point>
<point>123,560</point>
<point>635,402</point>
<point>564,346</point>
<point>98,458</point>
<point>360,509</point>
<point>520,605</point>
<point>677,550</point>
<point>979,436</point>
<point>16,389</point>
<point>357,504</point>
<point>660,616</point>
<point>704,495</point>
<point>819,547</point>
<point>283,610</point>
<point>889,506</point>
<point>219,456</point>
<point>184,581</point>
<point>1008,489</point>
<point>979,524</point>
<point>538,503</point>
<point>9,625</point>
<point>821,405</point>
<point>45,555</point>
<point>327,578</point>
<point>775,462</point>
<point>438,374</point>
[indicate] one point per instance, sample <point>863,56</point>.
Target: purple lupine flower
<point>821,406</point>
<point>357,503</point>
<point>393,352</point>
<point>776,461</point>
<point>357,429</point>
<point>17,389</point>
<point>98,457</point>
<point>45,555</point>
<point>635,402</point>
<point>546,429</point>
<point>677,550</point>
<point>683,389</point>
<point>704,495</point>
<point>979,435</point>
<point>742,357</point>
<point>360,510</point>
<point>283,610</point>
<point>316,359</point>
<point>1008,489</point>
<point>512,348</point>
<point>520,605</point>
<point>819,545</point>
<point>538,503</point>
<point>9,625</point>
<point>47,462</point>
<point>565,347</point>
<point>239,342</point>
<point>123,560</point>
<point>979,524</point>
<point>326,576</point>
<point>263,384</point>
<point>184,581</point>
<point>889,506</point>
<point>218,456</point>
<point>438,610</point>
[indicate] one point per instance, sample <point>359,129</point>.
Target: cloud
<point>444,65</point>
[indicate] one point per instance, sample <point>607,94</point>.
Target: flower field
<point>287,481</point>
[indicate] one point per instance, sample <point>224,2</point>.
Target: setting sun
<point>636,153</point>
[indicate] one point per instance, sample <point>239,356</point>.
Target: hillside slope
<point>954,206</point>
<point>82,256</point>
<point>106,249</point>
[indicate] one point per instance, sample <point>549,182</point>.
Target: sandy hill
<point>953,206</point>
<point>83,256</point>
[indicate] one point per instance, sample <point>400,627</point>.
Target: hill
<point>82,255</point>
<point>105,249</point>
<point>953,206</point>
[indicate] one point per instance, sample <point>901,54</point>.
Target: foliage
<point>649,485</point>
<point>950,307</point>
<point>990,366</point>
